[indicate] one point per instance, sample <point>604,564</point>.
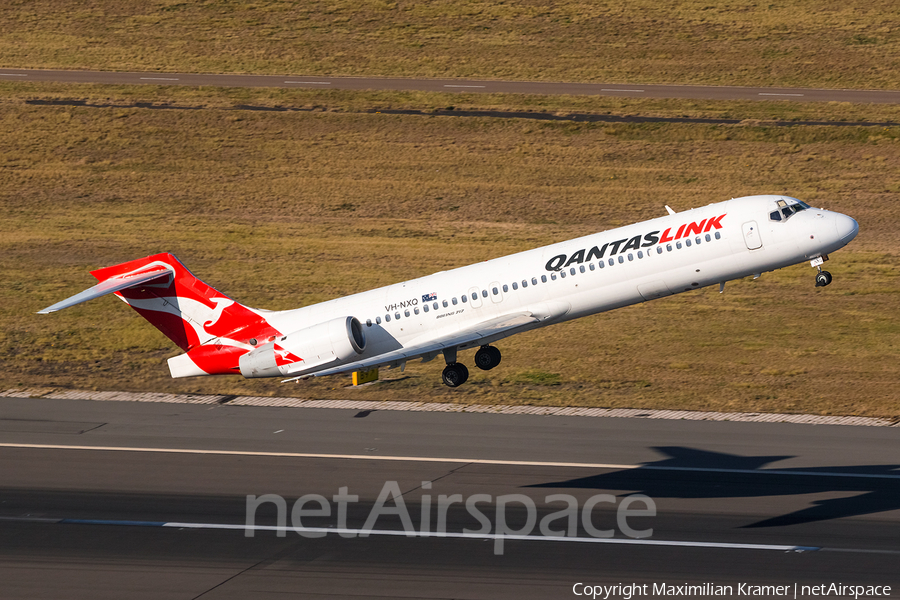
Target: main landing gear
<point>487,358</point>
<point>823,278</point>
<point>455,374</point>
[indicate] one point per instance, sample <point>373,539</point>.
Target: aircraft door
<point>496,292</point>
<point>751,235</point>
<point>474,297</point>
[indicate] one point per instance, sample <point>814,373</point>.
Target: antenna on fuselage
<point>669,208</point>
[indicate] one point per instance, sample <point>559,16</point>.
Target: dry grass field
<point>281,209</point>
<point>818,43</point>
<point>325,196</point>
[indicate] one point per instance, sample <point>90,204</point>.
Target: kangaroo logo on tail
<point>210,327</point>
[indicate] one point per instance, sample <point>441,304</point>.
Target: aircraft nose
<point>847,228</point>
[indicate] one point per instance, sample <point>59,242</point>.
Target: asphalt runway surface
<point>147,500</point>
<point>456,85</point>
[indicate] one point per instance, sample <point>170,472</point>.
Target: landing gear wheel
<point>823,278</point>
<point>487,358</point>
<point>455,374</point>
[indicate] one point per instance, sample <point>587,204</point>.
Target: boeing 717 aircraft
<point>477,305</point>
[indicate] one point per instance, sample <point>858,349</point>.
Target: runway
<point>698,92</point>
<point>764,503</point>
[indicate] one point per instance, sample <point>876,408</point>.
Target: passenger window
<point>543,279</point>
<point>602,264</point>
<point>474,295</point>
<point>387,318</point>
<point>435,306</point>
<point>561,274</point>
<point>464,298</point>
<point>406,313</point>
<point>669,247</point>
<point>688,242</point>
<point>378,320</point>
<point>708,239</point>
<point>718,236</point>
<point>416,310</point>
<point>368,322</point>
<point>397,315</point>
<point>591,266</point>
<point>506,287</point>
<point>612,262</point>
<point>697,240</point>
<point>640,254</point>
<point>515,285</point>
<point>678,245</point>
<point>484,293</point>
<point>534,280</point>
<point>572,270</point>
<point>659,249</point>
<point>630,256</point>
<point>453,300</point>
<point>621,259</point>
<point>445,304</point>
<point>775,216</point>
<point>553,276</point>
<point>425,307</point>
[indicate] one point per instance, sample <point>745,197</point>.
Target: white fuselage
<point>564,281</point>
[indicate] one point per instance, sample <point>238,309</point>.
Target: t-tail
<point>213,330</point>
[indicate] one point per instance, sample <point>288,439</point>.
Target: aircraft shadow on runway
<point>693,473</point>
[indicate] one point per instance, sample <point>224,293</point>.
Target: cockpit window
<point>786,211</point>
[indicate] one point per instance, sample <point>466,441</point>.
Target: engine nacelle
<point>330,343</point>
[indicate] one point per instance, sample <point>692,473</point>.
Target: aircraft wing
<point>484,332</point>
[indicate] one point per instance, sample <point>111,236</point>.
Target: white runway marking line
<point>311,82</point>
<point>477,461</point>
<point>13,75</point>
<point>418,534</point>
<point>160,78</point>
<point>465,86</point>
<point>496,536</point>
<point>774,94</point>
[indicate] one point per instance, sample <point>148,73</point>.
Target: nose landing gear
<point>823,278</point>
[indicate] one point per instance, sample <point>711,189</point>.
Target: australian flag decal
<point>429,297</point>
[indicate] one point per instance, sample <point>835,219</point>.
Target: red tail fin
<point>211,327</point>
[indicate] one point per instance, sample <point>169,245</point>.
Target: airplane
<point>476,305</point>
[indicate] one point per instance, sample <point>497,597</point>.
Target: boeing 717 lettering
<point>477,305</point>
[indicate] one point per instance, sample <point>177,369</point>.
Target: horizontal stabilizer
<point>109,286</point>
